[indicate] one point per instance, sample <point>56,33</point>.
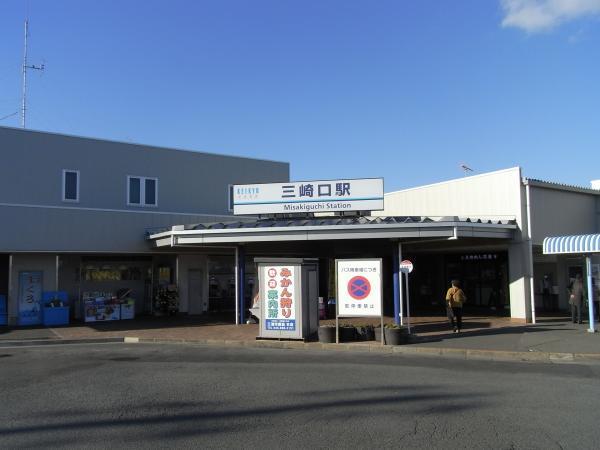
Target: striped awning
<point>583,243</point>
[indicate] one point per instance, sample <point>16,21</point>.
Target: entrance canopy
<point>331,236</point>
<point>331,228</point>
<point>578,244</point>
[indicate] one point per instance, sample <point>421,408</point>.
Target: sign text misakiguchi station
<point>364,194</point>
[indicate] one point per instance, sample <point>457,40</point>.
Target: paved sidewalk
<point>552,338</point>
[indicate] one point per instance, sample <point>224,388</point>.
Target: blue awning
<point>583,243</point>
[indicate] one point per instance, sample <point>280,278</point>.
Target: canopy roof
<point>581,243</point>
<point>332,228</point>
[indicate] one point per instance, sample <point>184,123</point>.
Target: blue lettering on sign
<point>280,324</point>
<point>247,191</point>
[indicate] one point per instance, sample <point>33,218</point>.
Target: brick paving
<point>189,328</point>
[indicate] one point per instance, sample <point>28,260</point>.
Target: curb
<point>35,342</point>
<point>408,350</point>
<point>465,354</point>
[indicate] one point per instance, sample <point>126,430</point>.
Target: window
<point>142,191</point>
<point>70,185</point>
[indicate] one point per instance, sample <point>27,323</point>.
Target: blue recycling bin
<point>52,313</point>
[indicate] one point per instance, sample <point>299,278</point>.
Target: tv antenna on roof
<point>466,169</point>
<point>25,67</point>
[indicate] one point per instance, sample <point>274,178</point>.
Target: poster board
<point>30,297</point>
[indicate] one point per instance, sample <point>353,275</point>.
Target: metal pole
<point>24,77</point>
<point>57,268</point>
<point>396,269</point>
<point>407,304</point>
<point>530,252</point>
<point>400,284</point>
<point>242,273</point>
<point>590,289</point>
<point>10,283</point>
<point>237,281</point>
<point>381,300</point>
<point>337,301</point>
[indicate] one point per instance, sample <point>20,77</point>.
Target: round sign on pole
<point>406,266</point>
<point>359,288</point>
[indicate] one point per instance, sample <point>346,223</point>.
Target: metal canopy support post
<point>241,282</point>
<point>400,284</point>
<point>590,289</point>
<point>237,286</point>
<point>396,268</point>
<point>57,268</point>
<point>407,304</point>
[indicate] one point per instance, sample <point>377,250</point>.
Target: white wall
<point>489,195</point>
<point>560,212</point>
<point>495,195</point>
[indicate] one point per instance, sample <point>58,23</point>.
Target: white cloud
<point>540,15</point>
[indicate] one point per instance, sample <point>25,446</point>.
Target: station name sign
<point>365,194</point>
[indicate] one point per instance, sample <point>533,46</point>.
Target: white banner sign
<point>309,196</point>
<point>358,287</point>
<point>278,286</point>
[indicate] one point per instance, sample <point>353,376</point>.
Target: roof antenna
<point>25,67</point>
<point>466,169</point>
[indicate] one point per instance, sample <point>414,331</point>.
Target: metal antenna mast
<point>25,67</point>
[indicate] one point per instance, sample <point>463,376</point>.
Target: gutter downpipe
<point>237,286</point>
<point>396,270</point>
<point>242,282</point>
<point>590,289</point>
<point>400,284</point>
<point>530,249</point>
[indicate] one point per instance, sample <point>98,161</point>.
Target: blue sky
<point>405,90</point>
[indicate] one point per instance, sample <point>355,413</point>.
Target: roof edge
<point>145,146</point>
<point>559,186</point>
<point>455,180</point>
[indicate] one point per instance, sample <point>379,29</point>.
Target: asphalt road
<point>183,396</point>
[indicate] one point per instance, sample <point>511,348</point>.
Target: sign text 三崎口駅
<point>365,194</point>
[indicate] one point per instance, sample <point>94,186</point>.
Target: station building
<point>75,211</point>
<point>94,217</point>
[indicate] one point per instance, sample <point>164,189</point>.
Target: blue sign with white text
<point>281,325</point>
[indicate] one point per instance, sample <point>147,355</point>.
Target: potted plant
<point>365,332</point>
<point>327,333</point>
<point>347,332</point>
<point>395,334</point>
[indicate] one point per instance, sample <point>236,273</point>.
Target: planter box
<point>395,336</point>
<point>378,334</point>
<point>347,334</point>
<point>55,316</point>
<point>366,333</point>
<point>326,335</point>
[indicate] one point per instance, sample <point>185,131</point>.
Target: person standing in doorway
<point>546,291</point>
<point>576,298</point>
<point>455,297</point>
